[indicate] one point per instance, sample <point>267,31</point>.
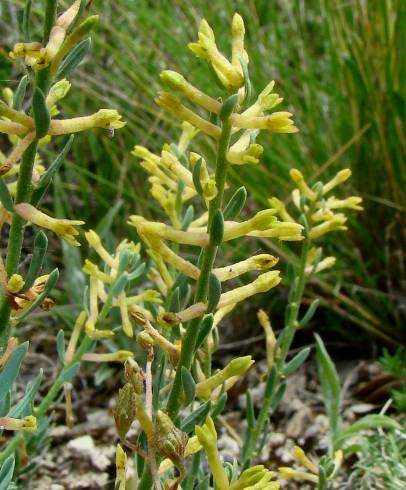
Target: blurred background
<point>338,65</point>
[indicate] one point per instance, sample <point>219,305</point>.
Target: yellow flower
<point>64,228</point>
<point>104,118</point>
<point>15,283</point>
<point>229,74</point>
<point>121,467</point>
<point>236,367</point>
<point>207,436</point>
<point>26,424</point>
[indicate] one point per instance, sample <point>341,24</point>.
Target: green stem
<point>208,257</point>
<point>16,237</point>
<point>286,342</point>
<point>294,306</point>
<point>58,383</point>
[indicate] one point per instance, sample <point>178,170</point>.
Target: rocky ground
<point>83,457</point>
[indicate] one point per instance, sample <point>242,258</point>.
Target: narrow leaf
<point>189,386</point>
<point>71,372</point>
<point>11,369</point>
<point>296,362</point>
<point>47,176</point>
<point>228,107</point>
<point>25,405</point>
<point>217,229</point>
<point>6,473</point>
<point>235,204</point>
<point>196,176</point>
<point>219,406</point>
<point>5,196</point>
<point>40,248</point>
<point>197,417</point>
<point>52,279</point>
<point>205,328</point>
<point>330,386</point>
<point>74,58</point>
<point>368,422</point>
<point>60,345</point>
<point>19,94</point>
<point>214,293</point>
<point>41,114</point>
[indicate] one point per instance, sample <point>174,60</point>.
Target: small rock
<point>81,446</point>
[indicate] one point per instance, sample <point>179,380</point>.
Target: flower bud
<point>15,283</point>
<point>134,375</point>
<point>171,441</point>
<point>125,411</point>
<point>145,341</point>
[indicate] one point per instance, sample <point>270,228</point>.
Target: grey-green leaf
<point>5,196</point>
<point>196,418</point>
<point>11,369</point>
<point>41,114</point>
<point>189,386</point>
<point>6,473</point>
<point>294,364</point>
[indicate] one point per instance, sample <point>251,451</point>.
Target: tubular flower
<point>236,367</point>
<point>257,477</point>
<point>64,228</point>
<point>207,436</point>
<point>230,74</point>
<point>26,424</point>
<point>103,118</point>
<point>39,57</point>
<point>319,210</point>
<point>121,467</point>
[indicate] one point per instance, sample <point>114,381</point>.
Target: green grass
<point>338,67</point>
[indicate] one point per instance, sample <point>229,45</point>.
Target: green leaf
<point>5,196</point>
<point>214,293</point>
<point>70,372</point>
<point>25,405</point>
<point>250,409</point>
<point>52,279</point>
<point>74,58</point>
<point>247,82</point>
<point>277,398</point>
<point>42,118</point>
<point>188,218</point>
<point>197,417</point>
<point>330,385</point>
<point>205,328</point>
<point>309,313</point>
<point>6,473</point>
<point>11,369</point>
<point>270,382</point>
<point>196,176</point>
<point>189,386</point>
<point>228,107</point>
<point>40,248</point>
<point>373,421</point>
<point>60,345</point>
<point>235,204</point>
<point>47,176</point>
<point>294,364</point>
<point>26,21</point>
<point>219,406</point>
<point>217,229</point>
<point>19,94</point>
